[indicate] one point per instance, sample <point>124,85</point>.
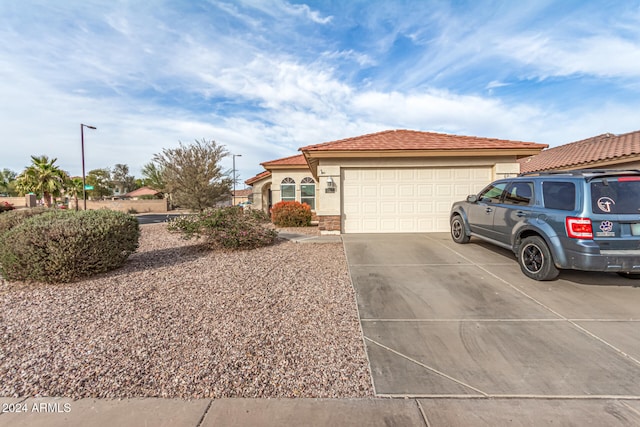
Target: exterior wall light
<point>331,186</point>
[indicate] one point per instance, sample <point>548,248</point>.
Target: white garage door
<point>402,200</point>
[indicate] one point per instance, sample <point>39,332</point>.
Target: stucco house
<point>603,151</point>
<point>390,181</point>
<point>142,191</point>
<point>241,196</point>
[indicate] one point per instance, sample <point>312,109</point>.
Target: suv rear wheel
<point>535,259</point>
<point>457,230</point>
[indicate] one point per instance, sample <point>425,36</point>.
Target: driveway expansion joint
<point>429,368</point>
<point>424,416</point>
<point>510,396</point>
<point>204,414</point>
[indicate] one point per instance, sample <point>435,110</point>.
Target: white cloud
<point>597,55</point>
<point>279,7</point>
<point>495,84</point>
<point>446,112</point>
<point>303,9</point>
<point>362,59</point>
<point>149,77</point>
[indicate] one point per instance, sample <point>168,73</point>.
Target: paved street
<point>155,218</point>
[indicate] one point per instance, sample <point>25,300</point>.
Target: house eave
<point>313,157</point>
<point>280,167</point>
<point>519,152</point>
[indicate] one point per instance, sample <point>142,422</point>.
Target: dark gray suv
<point>581,220</point>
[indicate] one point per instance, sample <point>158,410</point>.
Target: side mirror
<point>472,198</point>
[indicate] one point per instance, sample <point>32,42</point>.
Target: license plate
<point>635,229</point>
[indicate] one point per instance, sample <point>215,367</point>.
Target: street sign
<point>88,187</point>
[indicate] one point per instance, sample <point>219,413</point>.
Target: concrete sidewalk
<point>57,412</point>
<point>436,412</point>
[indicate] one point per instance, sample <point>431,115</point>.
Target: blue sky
<point>264,77</point>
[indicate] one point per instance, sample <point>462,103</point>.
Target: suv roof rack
<point>591,173</point>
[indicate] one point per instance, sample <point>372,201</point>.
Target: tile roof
<point>416,140</point>
<point>242,193</point>
<point>258,177</point>
<point>584,153</point>
<point>142,191</point>
<point>297,160</point>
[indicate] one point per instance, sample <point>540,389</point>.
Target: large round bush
<point>61,246</point>
<point>10,219</point>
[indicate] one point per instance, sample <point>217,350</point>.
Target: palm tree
<point>73,188</point>
<point>43,177</point>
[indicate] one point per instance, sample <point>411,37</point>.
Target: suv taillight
<point>579,228</point>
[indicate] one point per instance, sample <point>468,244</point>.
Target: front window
<point>616,197</point>
<point>288,190</point>
<point>308,192</point>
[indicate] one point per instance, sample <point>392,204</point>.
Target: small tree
<point>152,174</point>
<point>73,188</point>
<point>100,179</point>
<point>121,179</point>
<point>192,174</point>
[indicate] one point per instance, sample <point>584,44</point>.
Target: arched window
<point>308,192</point>
<point>288,190</point>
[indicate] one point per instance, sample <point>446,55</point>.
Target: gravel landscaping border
<point>179,321</point>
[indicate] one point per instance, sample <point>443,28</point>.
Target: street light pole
<point>84,180</point>
<point>233,197</point>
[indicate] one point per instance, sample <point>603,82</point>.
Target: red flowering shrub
<point>291,214</point>
<point>6,206</point>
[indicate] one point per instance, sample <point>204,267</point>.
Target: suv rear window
<point>621,196</point>
<point>559,195</point>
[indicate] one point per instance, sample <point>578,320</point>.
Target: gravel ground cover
<point>311,231</point>
<point>178,321</point>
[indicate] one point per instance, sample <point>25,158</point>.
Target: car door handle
<point>520,214</point>
<point>488,210</point>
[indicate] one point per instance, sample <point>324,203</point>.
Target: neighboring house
<point>602,151</point>
<point>142,191</point>
<point>391,181</point>
<point>241,196</point>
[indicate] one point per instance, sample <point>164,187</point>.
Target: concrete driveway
<point>462,330</point>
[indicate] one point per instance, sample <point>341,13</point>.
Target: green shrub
<point>6,206</point>
<point>291,214</point>
<point>229,228</point>
<point>259,215</point>
<point>62,246</point>
<point>11,219</point>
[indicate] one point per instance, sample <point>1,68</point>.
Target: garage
<point>393,181</point>
<point>405,200</point>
